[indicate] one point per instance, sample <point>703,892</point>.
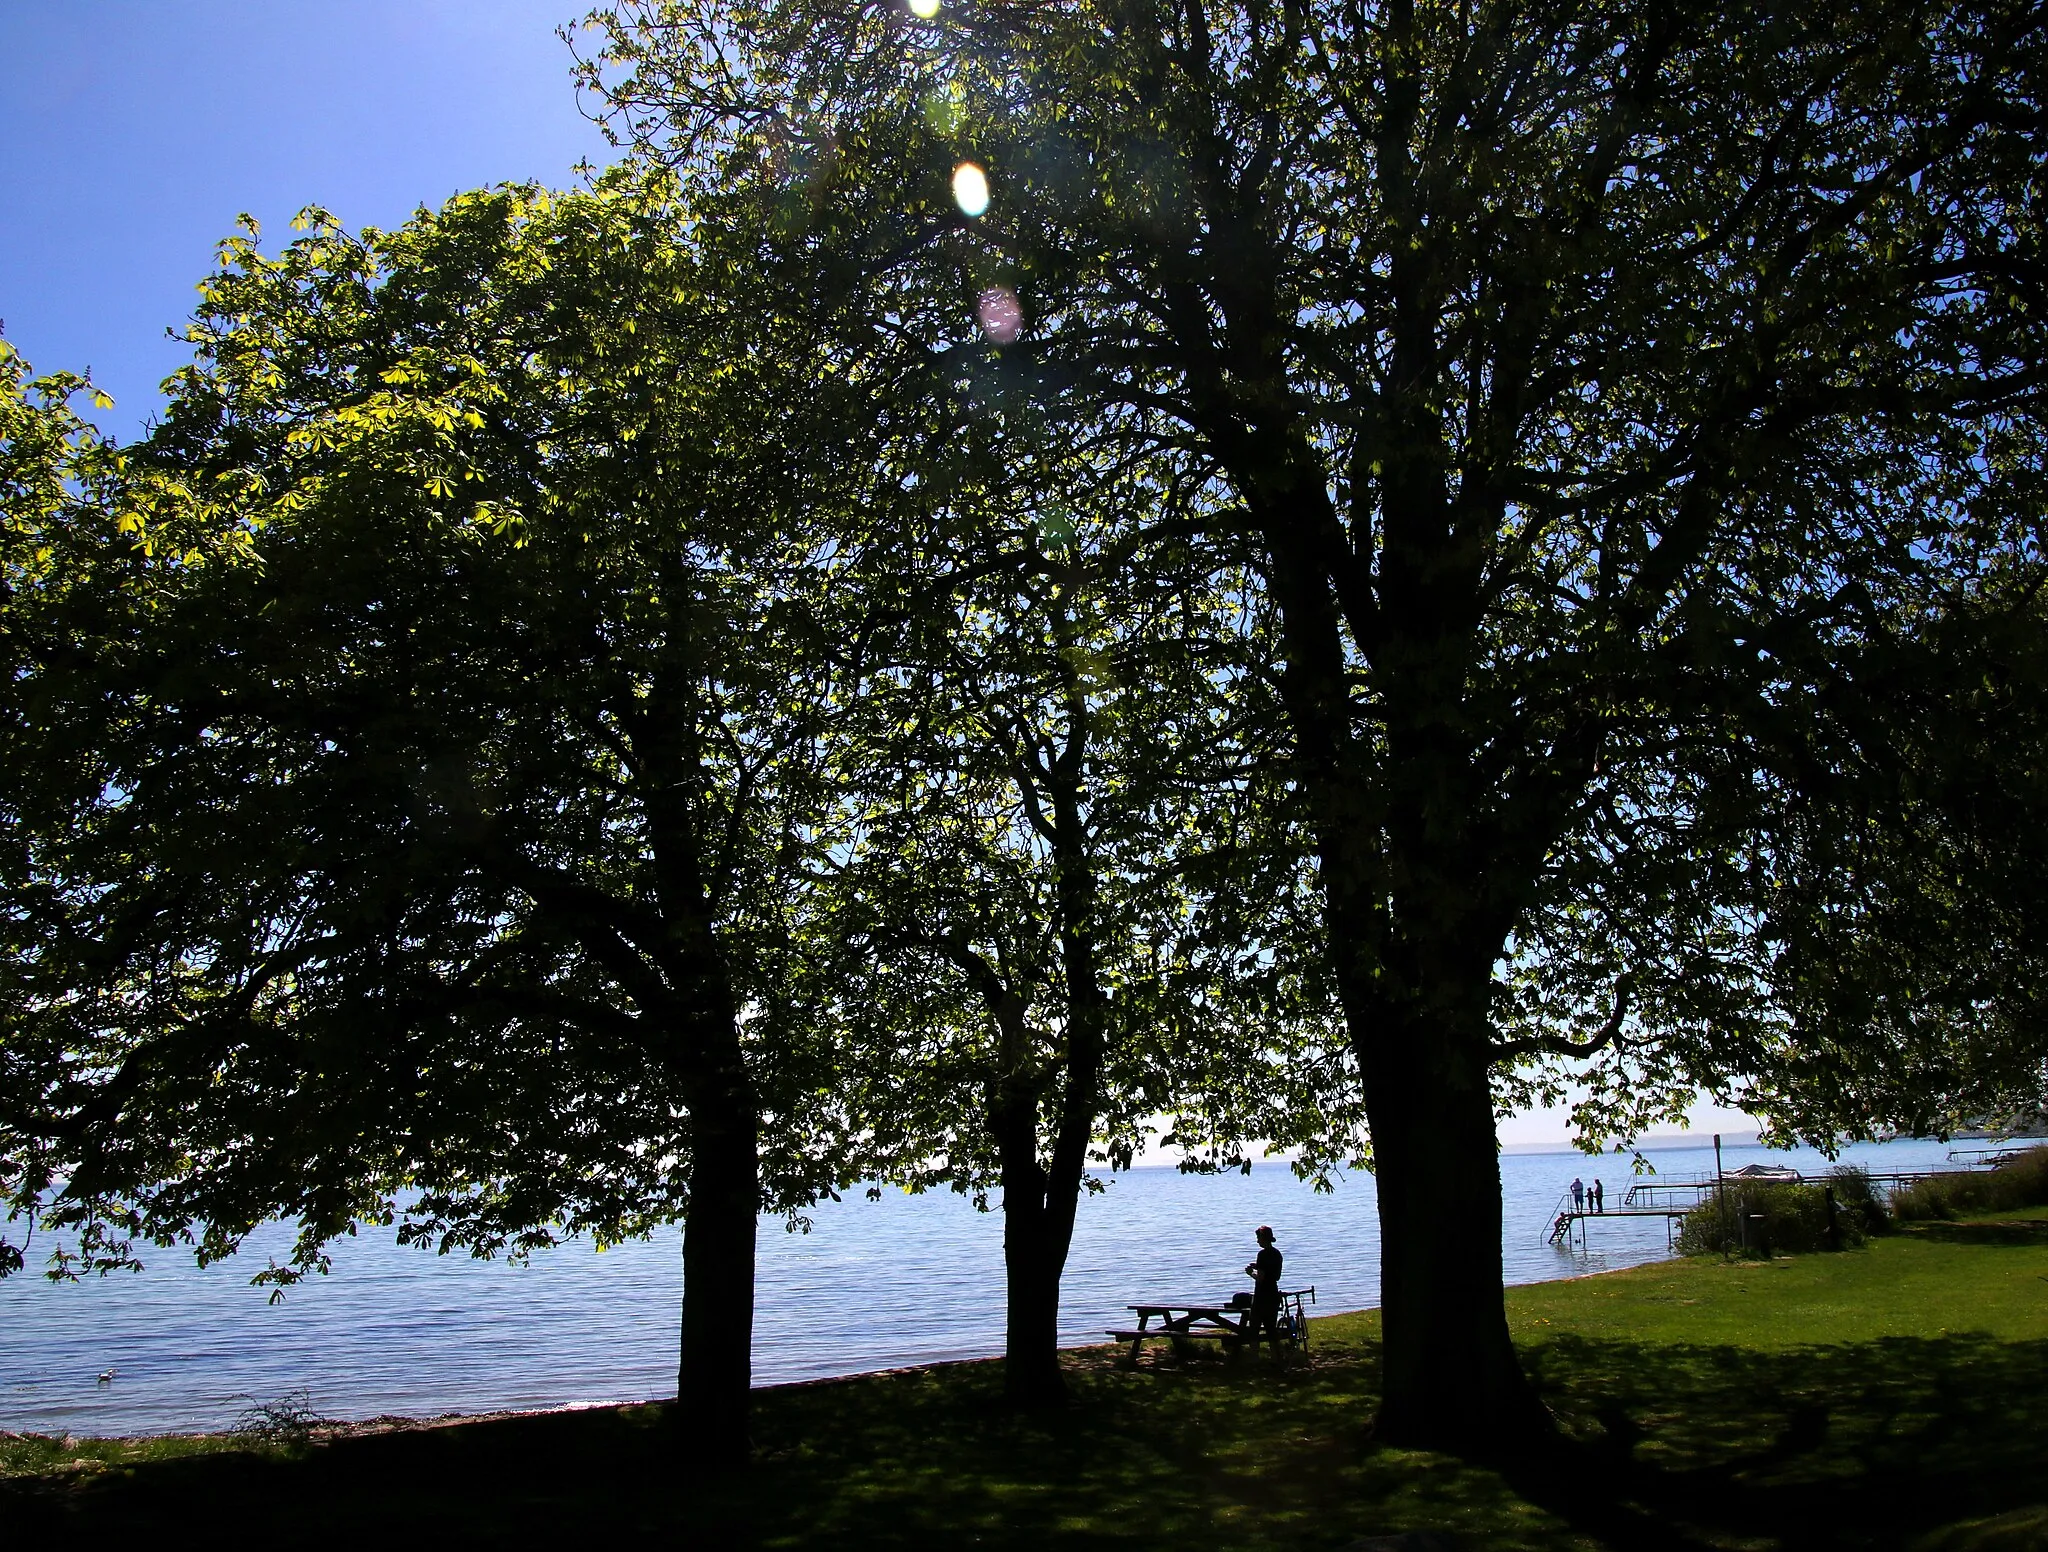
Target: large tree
<point>431,833</point>
<point>1634,408</point>
<point>1049,780</point>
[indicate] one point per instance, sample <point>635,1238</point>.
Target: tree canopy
<point>444,837</point>
<point>1634,413</point>
<point>1053,816</point>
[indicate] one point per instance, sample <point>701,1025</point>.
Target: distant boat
<point>1767,1174</point>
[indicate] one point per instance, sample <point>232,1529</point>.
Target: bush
<point>288,1420</point>
<point>1755,1219</point>
<point>2018,1182</point>
<point>1857,1197</point>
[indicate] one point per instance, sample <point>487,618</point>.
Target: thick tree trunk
<point>1416,908</point>
<point>1038,1219</point>
<point>1452,1378</point>
<point>701,1047</point>
<point>716,1374</point>
<point>1033,1259</point>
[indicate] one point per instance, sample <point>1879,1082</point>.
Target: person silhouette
<point>1599,1197</point>
<point>1264,1269</point>
<point>1578,1194</point>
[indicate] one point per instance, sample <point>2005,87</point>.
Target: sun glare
<point>970,189</point>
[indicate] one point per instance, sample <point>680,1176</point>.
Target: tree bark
<point>1040,1200</point>
<point>1034,1256</point>
<point>1414,906</point>
<point>1034,1248</point>
<point>715,1376</point>
<point>1452,1379</point>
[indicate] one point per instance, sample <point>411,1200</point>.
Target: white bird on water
<point>107,1376</point>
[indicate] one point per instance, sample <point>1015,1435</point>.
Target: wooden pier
<point>1671,1199</point>
<point>1570,1218</point>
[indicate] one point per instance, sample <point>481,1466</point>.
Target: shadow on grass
<point>1868,1446</point>
<point>1877,1444</point>
<point>2012,1232</point>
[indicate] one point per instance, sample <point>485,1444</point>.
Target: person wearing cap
<point>1265,1272</point>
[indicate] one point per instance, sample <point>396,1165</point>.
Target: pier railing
<point>1564,1217</point>
<point>1671,1187</point>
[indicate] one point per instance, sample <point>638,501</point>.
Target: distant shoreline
<point>1665,1142</point>
<point>1680,1142</point>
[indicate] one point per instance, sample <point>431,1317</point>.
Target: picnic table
<point>1184,1322</point>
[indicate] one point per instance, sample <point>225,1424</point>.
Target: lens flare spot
<point>1000,314</point>
<point>924,10</point>
<point>970,189</point>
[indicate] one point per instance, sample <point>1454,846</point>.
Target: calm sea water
<point>874,1285</point>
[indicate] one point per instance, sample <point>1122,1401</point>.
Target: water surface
<point>904,1280</point>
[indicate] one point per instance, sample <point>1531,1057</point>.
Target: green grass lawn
<point>1895,1396</point>
<point>1984,1277</point>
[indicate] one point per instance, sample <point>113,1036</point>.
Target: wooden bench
<point>1176,1335</point>
<point>1218,1322</point>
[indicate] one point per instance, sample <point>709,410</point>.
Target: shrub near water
<point>1859,1199</point>
<point>1759,1219</point>
<point>2018,1182</point>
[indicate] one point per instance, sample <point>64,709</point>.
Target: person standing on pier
<point>1578,1194</point>
<point>1599,1197</point>
<point>1265,1272</point>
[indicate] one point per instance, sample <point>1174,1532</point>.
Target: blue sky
<point>133,132</point>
